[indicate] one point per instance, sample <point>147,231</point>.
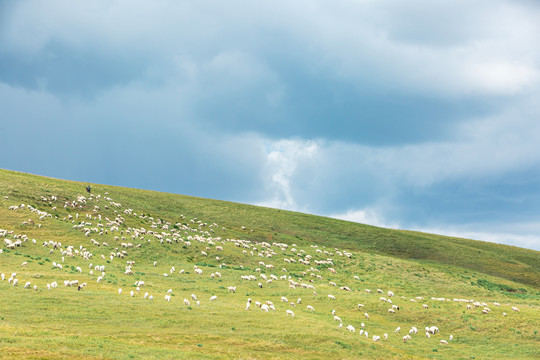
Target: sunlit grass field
<point>99,323</point>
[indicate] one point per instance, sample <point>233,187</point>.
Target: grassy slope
<point>508,262</point>
<point>97,323</point>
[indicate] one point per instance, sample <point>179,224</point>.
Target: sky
<point>415,115</point>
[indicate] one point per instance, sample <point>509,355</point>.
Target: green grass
<point>98,323</point>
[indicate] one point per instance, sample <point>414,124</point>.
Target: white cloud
<point>366,216</point>
<point>282,159</point>
<point>526,239</point>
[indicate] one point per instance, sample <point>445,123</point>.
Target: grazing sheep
<point>213,297</point>
<point>167,297</point>
<point>248,304</point>
<point>351,328</point>
<point>290,313</point>
<point>309,307</point>
<point>515,309</point>
<point>231,289</point>
<point>444,342</point>
<point>406,337</point>
<point>332,297</point>
<point>337,318</point>
<point>186,302</point>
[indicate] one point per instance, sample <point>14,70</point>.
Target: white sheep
<point>309,307</point>
<point>290,313</point>
<point>351,328</point>
<point>407,337</point>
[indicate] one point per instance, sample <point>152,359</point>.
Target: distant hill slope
<point>508,262</point>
